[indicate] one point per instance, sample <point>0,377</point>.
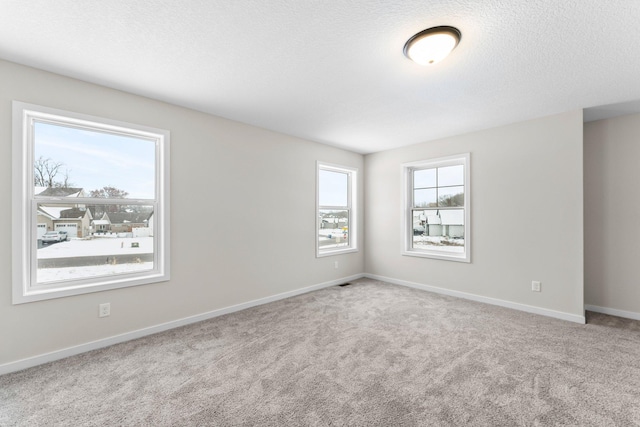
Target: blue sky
<point>333,188</point>
<point>447,176</point>
<point>96,159</point>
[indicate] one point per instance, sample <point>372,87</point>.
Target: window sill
<point>336,252</point>
<point>40,293</point>
<point>438,255</point>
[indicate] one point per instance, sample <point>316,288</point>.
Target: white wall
<point>612,213</point>
<point>227,180</point>
<point>526,215</point>
<point>527,208</point>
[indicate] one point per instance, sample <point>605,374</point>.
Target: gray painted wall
<point>612,212</point>
<point>526,214</point>
<point>227,180</point>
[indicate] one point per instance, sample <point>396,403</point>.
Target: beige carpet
<point>366,354</point>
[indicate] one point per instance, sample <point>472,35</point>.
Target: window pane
<point>451,196</point>
<point>79,242</point>
<point>332,188</point>
<point>424,178</point>
<point>442,230</point>
<point>424,198</point>
<point>451,175</point>
<point>334,229</point>
<point>72,162</point>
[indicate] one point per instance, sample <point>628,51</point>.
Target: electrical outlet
<point>335,264</point>
<point>535,286</point>
<point>104,310</point>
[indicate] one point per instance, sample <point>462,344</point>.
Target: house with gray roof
<point>74,220</point>
<point>441,222</point>
<point>121,222</point>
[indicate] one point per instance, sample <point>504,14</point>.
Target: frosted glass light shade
<point>431,46</point>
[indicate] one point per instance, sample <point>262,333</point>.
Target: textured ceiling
<point>333,71</point>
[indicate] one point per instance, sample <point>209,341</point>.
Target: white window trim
<point>352,192</point>
<point>407,222</point>
<point>24,206</point>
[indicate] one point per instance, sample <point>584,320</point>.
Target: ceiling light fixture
<point>432,45</point>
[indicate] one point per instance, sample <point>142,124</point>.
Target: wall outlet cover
<point>104,310</point>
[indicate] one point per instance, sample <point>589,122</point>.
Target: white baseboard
<point>127,336</point>
<point>613,312</point>
<point>105,342</point>
<point>487,300</point>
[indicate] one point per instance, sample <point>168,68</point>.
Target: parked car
<point>65,236</point>
<point>53,236</point>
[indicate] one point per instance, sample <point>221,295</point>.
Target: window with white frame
<point>90,204</point>
<point>336,210</point>
<point>436,208</point>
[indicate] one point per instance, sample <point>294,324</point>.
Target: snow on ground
<point>46,275</point>
<point>337,236</point>
<point>97,246</point>
<point>325,232</point>
<point>435,242</point>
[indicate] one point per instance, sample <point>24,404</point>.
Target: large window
<point>90,204</point>
<point>436,208</point>
<point>336,210</point>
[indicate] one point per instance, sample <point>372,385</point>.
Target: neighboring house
<point>69,193</point>
<point>75,221</point>
<point>125,222</point>
<point>101,225</point>
<point>121,222</point>
<point>452,222</point>
<point>442,222</point>
<point>333,223</point>
<point>60,192</point>
<point>45,217</point>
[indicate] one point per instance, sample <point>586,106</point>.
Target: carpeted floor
<point>362,355</point>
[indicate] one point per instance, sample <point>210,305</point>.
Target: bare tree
<point>107,192</point>
<point>451,200</point>
<point>47,170</point>
<point>65,183</point>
